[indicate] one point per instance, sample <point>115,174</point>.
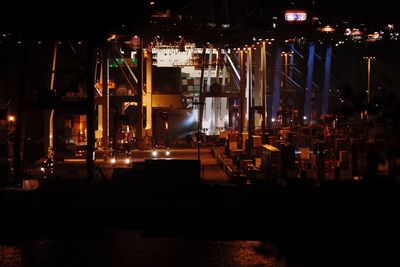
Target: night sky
<point>81,17</point>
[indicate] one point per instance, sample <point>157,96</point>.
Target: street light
<point>369,59</point>
<point>198,128</point>
<point>286,55</point>
<point>11,118</point>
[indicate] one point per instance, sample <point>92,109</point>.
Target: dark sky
<point>83,16</point>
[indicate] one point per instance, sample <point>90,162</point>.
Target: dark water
<point>132,248</point>
<point>113,248</point>
<point>204,227</point>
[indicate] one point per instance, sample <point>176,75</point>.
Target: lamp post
<point>198,128</point>
<point>11,119</point>
<point>286,55</point>
<point>10,127</point>
<point>164,116</point>
<point>200,114</point>
<point>369,59</point>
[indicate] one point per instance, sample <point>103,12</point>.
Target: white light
<point>296,16</point>
<point>154,153</point>
<point>11,118</point>
<point>42,169</point>
<point>167,153</point>
<point>305,117</point>
<point>127,161</point>
<point>273,119</point>
<point>113,161</point>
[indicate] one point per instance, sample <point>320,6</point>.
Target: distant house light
<point>327,29</point>
<point>356,34</point>
<point>374,37</point>
<point>390,27</point>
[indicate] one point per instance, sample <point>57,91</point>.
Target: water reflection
<point>113,248</point>
<point>133,249</point>
<point>126,248</point>
<point>10,256</point>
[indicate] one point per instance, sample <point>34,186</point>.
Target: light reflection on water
<point>133,249</point>
<point>10,256</point>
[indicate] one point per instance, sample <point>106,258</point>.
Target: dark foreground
<point>338,224</point>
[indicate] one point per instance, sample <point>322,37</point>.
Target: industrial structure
<point>249,88</point>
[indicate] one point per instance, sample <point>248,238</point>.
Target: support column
<point>224,108</point>
<point>50,149</point>
<point>325,92</point>
<point>20,120</point>
<point>309,82</point>
<point>291,61</point>
<point>90,110</point>
<point>242,93</point>
<point>147,99</point>
<point>200,104</point>
<point>139,123</point>
<point>264,85</point>
<point>224,70</point>
<point>207,118</point>
<point>258,88</point>
<point>216,101</point>
<point>210,56</point>
<point>276,93</point>
<point>250,101</point>
<point>105,98</point>
<point>270,85</point>
<point>201,95</point>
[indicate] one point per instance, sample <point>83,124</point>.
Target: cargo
<point>232,137</point>
<point>232,145</point>
<point>223,135</point>
<point>257,141</point>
